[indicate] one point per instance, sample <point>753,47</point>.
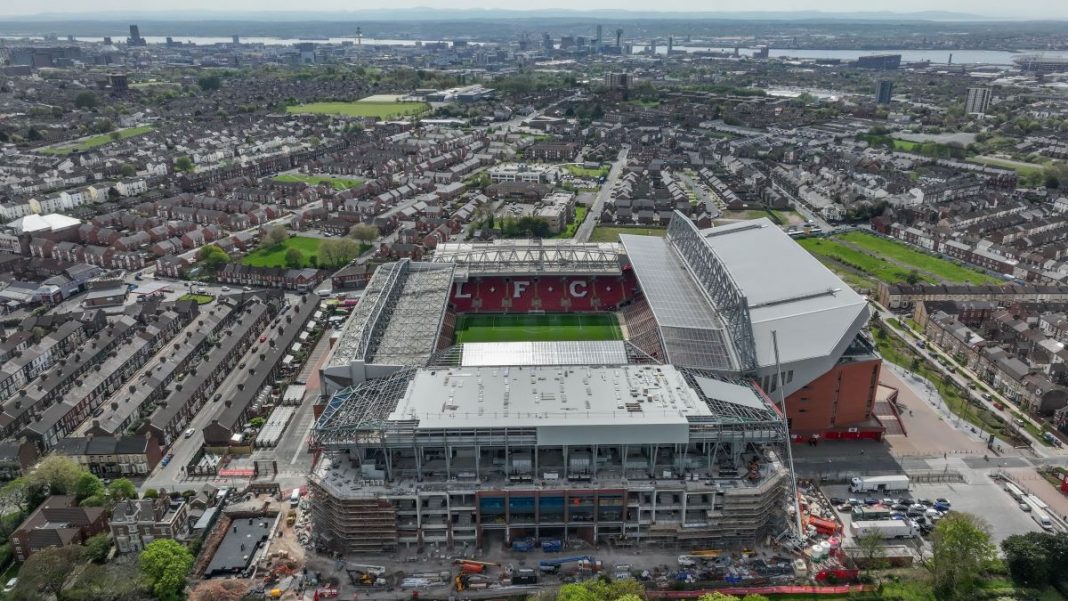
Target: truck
<point>552,566</point>
<point>523,545</point>
<point>524,576</point>
<point>552,545</point>
<point>879,484</point>
<point>886,528</point>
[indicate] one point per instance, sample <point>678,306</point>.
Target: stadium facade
<point>674,435</point>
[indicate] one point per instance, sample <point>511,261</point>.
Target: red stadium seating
<point>550,294</point>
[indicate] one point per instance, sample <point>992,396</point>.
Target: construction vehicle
<point>470,566</point>
<point>585,562</point>
<point>291,517</point>
<point>473,582</point>
<point>366,575</point>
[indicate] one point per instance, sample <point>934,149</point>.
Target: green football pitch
<point>499,327</point>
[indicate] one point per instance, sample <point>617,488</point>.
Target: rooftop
<point>549,256</point>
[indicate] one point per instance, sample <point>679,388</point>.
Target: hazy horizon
<point>1025,9</point>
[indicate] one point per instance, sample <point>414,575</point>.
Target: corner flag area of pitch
<point>500,327</point>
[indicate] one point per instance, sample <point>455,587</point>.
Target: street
<point>584,231</point>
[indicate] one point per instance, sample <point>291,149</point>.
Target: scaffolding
<point>531,257</point>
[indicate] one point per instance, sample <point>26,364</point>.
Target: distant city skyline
<point>1025,9</point>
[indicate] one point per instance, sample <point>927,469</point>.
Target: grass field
<point>501,327</point>
<point>876,267</point>
<point>1021,167</point>
<point>603,233</point>
<point>382,110</point>
<point>201,299</point>
<point>902,253</point>
<point>275,256</point>
<point>94,141</point>
<point>337,183</point>
<point>580,171</point>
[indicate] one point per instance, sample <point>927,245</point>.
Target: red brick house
<point>57,523</point>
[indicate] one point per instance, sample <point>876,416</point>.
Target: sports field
<point>500,327</point>
<point>382,110</point>
<point>93,141</point>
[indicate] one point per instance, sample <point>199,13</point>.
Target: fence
<point>765,590</point>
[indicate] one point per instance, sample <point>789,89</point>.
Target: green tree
<point>209,83</point>
<point>34,135</point>
<point>961,546</point>
<point>576,592</point>
<point>1027,560</point>
<point>913,277</point>
<point>23,493</point>
<point>294,258</point>
<point>276,234</point>
<point>47,571</point>
<point>337,252</point>
<point>86,100</point>
<point>87,485</point>
<point>165,563</point>
<point>115,136</point>
<point>97,547</point>
<point>257,422</point>
<point>212,256</point>
<point>717,596</point>
<point>128,170</point>
<point>122,489</point>
<point>183,163</point>
<point>364,232</point>
<point>151,493</point>
<point>102,126</point>
<point>57,473</point>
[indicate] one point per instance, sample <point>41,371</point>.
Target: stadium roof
<point>789,291</point>
<point>544,353</point>
<point>548,256</point>
<point>741,282</point>
<point>398,319</point>
<point>558,404</point>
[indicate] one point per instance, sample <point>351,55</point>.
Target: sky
<point>1040,9</point>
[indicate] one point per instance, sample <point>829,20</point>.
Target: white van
<point>294,498</point>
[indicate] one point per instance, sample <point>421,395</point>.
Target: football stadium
<point>642,392</point>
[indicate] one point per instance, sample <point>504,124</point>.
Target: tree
<point>576,592</point>
<point>212,256</point>
<point>294,258</point>
<point>870,544</point>
<point>165,563</point>
<point>912,277</point>
<point>183,164</point>
<point>86,100</point>
<point>102,126</point>
<point>276,234</point>
<point>336,252</point>
<point>97,547</point>
<point>151,493</point>
<point>257,422</point>
<point>364,232</point>
<point>47,571</point>
<point>1027,560</point>
<point>115,136</point>
<point>128,170</point>
<point>209,83</point>
<point>57,473</point>
<point>117,580</point>
<point>961,546</point>
<point>23,493</point>
<point>87,485</point>
<point>122,489</point>
<point>717,596</point>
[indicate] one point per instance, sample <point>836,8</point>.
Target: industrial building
<point>676,435</point>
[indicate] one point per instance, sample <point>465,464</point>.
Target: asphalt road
<point>586,229</point>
